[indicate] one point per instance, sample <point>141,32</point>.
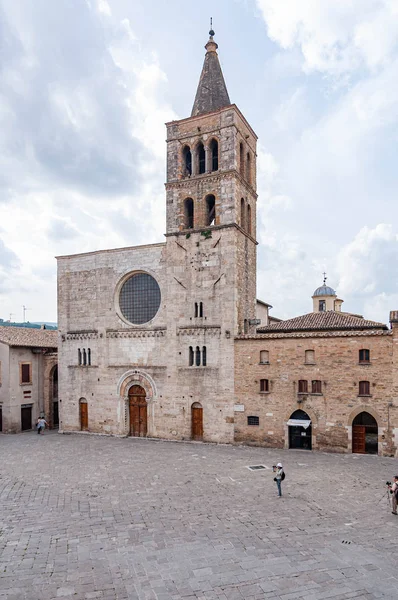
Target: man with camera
<point>393,487</point>
<point>279,477</point>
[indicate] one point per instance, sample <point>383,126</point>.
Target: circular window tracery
<point>139,298</point>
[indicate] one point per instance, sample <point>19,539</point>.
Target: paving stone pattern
<point>91,517</point>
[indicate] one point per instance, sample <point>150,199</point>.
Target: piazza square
<point>93,517</point>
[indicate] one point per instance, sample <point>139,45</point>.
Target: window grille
<point>252,420</point>
<point>139,298</point>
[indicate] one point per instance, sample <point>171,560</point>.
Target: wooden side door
<point>138,411</point>
<point>84,416</point>
<point>358,439</point>
<point>26,418</point>
<point>197,423</point>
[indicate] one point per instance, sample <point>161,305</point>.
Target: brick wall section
<point>337,366</point>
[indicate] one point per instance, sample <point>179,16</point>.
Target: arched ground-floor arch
<point>197,421</point>
<point>138,411</point>
<point>364,434</point>
<point>300,430</point>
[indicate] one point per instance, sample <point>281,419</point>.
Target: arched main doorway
<point>138,411</point>
<point>197,421</point>
<point>364,434</point>
<point>300,430</point>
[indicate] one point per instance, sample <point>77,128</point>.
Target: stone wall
<point>336,366</point>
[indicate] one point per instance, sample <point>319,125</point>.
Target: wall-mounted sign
<point>239,407</point>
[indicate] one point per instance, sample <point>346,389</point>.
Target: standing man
<point>394,492</point>
<point>279,477</point>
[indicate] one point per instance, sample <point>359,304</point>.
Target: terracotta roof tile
<point>322,321</point>
<point>29,337</point>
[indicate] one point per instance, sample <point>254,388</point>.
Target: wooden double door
<point>138,410</point>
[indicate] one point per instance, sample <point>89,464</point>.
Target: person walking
<point>41,424</point>
<point>394,492</point>
<point>279,477</point>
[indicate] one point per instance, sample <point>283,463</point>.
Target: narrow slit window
<point>210,210</point>
<point>188,213</point>
<point>196,309</point>
<point>204,356</point>
<point>241,160</point>
<point>200,309</point>
<point>201,159</point>
<point>187,161</point>
<point>242,213</point>
<point>84,357</point>
<point>89,356</point>
<point>245,326</point>
<point>79,356</point>
<point>214,155</point>
<point>249,219</point>
<point>248,167</point>
<point>197,353</point>
<point>191,357</point>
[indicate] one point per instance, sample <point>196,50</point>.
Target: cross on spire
<point>324,278</point>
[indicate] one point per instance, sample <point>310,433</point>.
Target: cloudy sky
<point>87,85</point>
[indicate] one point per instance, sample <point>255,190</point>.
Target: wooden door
<point>358,439</point>
<point>84,416</point>
<point>197,422</point>
<point>55,414</point>
<point>138,411</point>
<point>26,418</point>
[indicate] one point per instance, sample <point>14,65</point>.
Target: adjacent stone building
<point>160,340</point>
<point>326,380</point>
<point>28,378</point>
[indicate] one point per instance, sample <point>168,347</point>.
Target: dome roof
<point>324,290</point>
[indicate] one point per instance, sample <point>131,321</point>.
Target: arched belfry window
<point>201,158</point>
<point>186,162</point>
<point>188,213</point>
<point>242,213</point>
<point>248,168</point>
<point>249,219</point>
<point>210,210</point>
<point>214,155</point>
<point>241,160</point>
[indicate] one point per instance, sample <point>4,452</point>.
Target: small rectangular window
<point>264,385</point>
<point>264,357</point>
<point>317,387</point>
<point>322,305</point>
<point>364,388</point>
<point>303,386</point>
<point>364,356</point>
<point>253,420</point>
<point>309,357</point>
<point>26,373</point>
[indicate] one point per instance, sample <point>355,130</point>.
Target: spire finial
<point>211,32</point>
<point>324,278</point>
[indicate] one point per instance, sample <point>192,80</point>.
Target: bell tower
<point>211,179</point>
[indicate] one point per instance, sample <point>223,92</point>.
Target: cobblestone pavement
<point>89,517</point>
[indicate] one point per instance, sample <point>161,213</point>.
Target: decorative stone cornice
<point>80,335</point>
<point>136,333</point>
<point>314,334</point>
<point>214,176</point>
<point>199,330</point>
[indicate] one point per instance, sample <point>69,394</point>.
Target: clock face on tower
<point>139,298</point>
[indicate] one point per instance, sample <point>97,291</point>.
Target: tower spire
<point>212,92</point>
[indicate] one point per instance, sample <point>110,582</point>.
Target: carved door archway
<point>138,410</point>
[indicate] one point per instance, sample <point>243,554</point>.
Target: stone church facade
<point>160,340</point>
